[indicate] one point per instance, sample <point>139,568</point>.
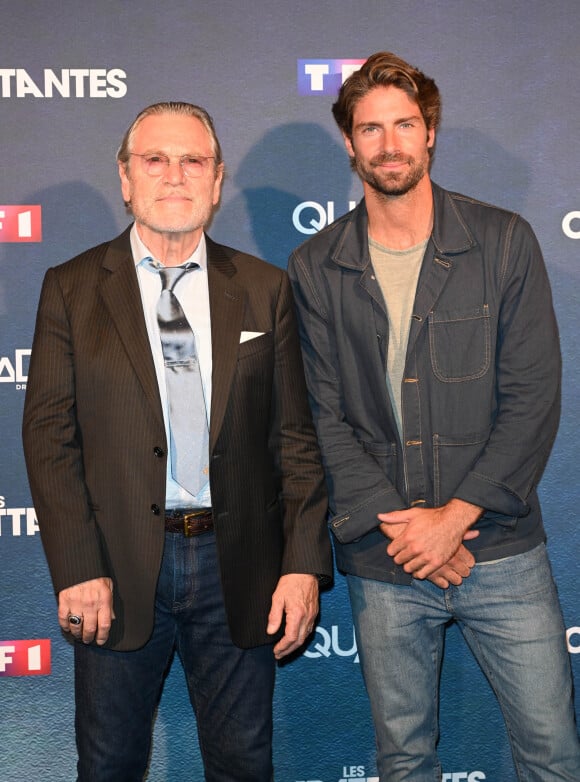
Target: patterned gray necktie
<point>187,413</point>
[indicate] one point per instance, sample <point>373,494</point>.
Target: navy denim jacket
<point>481,387</point>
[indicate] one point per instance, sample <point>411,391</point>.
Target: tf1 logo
<point>25,658</point>
<point>20,223</point>
<point>324,77</point>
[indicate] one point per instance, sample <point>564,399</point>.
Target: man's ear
<point>431,138</point>
<point>348,144</point>
<point>217,187</point>
<point>125,184</point>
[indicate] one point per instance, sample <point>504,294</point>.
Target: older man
<point>173,465</point>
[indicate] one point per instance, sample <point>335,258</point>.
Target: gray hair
<point>171,107</point>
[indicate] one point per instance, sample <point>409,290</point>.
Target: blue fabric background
<point>508,73</point>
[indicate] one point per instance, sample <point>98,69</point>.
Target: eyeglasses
<point>157,163</point>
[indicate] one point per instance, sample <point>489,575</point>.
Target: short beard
<point>390,184</point>
<point>199,218</point>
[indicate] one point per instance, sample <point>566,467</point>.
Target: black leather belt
<point>188,522</point>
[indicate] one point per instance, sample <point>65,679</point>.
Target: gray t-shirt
<point>397,272</point>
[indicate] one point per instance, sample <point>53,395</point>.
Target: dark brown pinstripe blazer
<point>95,443</point>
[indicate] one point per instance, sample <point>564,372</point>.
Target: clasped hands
<point>428,542</point>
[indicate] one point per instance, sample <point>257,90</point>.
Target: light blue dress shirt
<point>193,295</point>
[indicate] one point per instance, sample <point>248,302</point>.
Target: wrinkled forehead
<point>171,133</point>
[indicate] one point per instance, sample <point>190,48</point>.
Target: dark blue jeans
<point>231,689</point>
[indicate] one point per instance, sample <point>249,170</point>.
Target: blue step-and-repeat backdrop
<point>73,74</point>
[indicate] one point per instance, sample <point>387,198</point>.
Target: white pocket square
<point>247,335</point>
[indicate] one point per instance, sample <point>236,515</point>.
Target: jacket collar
<point>118,251</point>
<point>450,234</point>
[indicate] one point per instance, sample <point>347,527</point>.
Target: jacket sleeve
<point>528,375</point>
<point>293,441</point>
<point>53,450</point>
<point>358,487</point>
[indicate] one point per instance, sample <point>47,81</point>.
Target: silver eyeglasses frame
<point>157,163</point>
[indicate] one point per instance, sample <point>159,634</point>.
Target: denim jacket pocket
<point>385,455</point>
<point>460,344</point>
<point>492,518</point>
<point>453,457</point>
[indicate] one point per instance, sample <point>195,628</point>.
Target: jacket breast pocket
<point>255,345</point>
<point>460,344</point>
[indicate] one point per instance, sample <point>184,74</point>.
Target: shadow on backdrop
<point>271,183</point>
<point>75,217</point>
<point>472,163</point>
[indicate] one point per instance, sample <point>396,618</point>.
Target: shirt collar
<point>141,253</point>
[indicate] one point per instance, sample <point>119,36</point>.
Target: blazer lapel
<point>227,300</point>
<point>121,296</point>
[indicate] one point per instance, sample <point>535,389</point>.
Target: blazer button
<point>155,510</point>
<point>159,452</point>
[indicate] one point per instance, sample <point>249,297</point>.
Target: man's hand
<point>93,602</point>
<point>427,542</point>
<point>456,569</point>
<point>296,596</point>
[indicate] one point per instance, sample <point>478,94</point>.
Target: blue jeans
<point>509,614</point>
<point>230,689</point>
